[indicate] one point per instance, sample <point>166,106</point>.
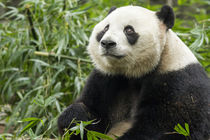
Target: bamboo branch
<point>205,20</point>
<point>30,19</point>
<point>170,3</point>
<point>64,5</point>
<point>52,54</point>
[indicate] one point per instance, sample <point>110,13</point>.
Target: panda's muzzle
<point>109,48</point>
<point>108,44</point>
<point>112,55</point>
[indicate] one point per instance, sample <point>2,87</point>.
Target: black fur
<point>101,33</point>
<point>112,9</point>
<point>73,111</point>
<point>166,14</point>
<point>132,38</point>
<point>162,100</point>
<point>78,111</point>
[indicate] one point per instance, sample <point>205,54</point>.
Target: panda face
<point>129,41</point>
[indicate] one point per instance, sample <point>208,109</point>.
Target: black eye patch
<point>131,35</point>
<point>101,33</point>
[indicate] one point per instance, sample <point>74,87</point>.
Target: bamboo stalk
<point>170,3</point>
<point>31,24</point>
<point>52,54</point>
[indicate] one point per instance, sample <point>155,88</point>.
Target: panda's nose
<point>107,44</point>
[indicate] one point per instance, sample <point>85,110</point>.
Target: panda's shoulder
<point>192,75</point>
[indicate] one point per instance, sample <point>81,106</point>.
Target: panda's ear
<point>112,9</point>
<point>166,14</point>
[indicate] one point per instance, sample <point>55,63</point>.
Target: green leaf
<point>9,69</point>
<point>100,135</point>
<point>89,136</point>
<point>22,79</point>
<point>30,125</point>
<point>95,138</point>
<point>81,130</point>
<point>178,128</point>
<point>39,100</point>
<point>40,62</point>
<point>49,101</point>
<point>74,128</point>
<point>30,119</point>
<point>2,5</point>
<point>88,122</point>
<point>187,128</point>
<point>57,87</point>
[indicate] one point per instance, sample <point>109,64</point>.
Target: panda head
<point>130,40</point>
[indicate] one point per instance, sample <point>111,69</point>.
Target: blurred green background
<point>43,58</point>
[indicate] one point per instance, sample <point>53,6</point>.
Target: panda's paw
<point>77,111</point>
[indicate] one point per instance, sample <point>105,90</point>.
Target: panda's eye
<point>106,28</point>
<point>131,35</point>
<point>129,30</point>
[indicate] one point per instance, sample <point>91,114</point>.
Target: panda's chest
<point>122,112</point>
<point>124,106</point>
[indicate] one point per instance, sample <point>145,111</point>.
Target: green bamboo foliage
<point>42,61</point>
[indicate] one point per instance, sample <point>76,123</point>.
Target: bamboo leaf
<point>81,130</point>
<point>30,125</point>
<point>30,119</point>
<point>187,128</point>
<point>40,62</point>
<point>100,135</point>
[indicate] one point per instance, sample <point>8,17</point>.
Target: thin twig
<point>52,54</point>
<point>28,12</point>
<point>205,20</point>
<point>169,133</point>
<point>64,5</point>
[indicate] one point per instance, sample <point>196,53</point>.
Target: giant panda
<point>145,80</point>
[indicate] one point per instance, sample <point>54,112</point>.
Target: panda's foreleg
<point>91,105</point>
<point>76,112</point>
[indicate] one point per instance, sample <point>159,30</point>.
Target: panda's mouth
<point>113,55</point>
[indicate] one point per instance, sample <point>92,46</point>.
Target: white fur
<point>119,129</point>
<point>176,55</point>
<point>146,53</point>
